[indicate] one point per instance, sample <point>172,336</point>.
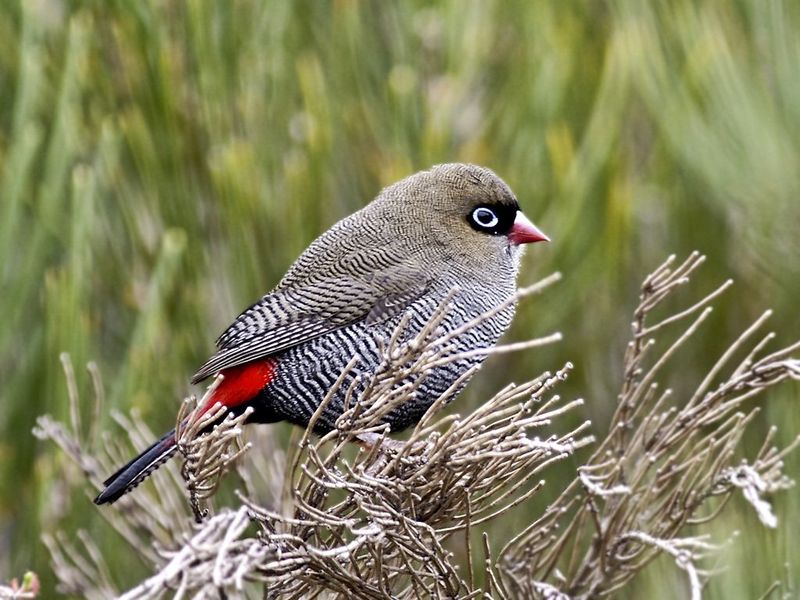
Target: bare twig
<point>660,465</point>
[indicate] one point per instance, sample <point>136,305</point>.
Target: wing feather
<point>271,342</point>
<point>290,317</point>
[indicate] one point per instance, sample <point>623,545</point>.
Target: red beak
<point>525,232</point>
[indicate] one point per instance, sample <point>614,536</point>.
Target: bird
<point>453,231</point>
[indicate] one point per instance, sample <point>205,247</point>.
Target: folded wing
<point>289,317</point>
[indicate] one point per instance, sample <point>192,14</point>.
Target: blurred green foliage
<point>162,163</point>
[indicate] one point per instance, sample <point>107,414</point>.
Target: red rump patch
<point>242,383</point>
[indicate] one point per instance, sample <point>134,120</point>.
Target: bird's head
<point>466,212</point>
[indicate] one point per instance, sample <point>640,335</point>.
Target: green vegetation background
<point>162,163</point>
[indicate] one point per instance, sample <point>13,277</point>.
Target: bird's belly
<point>305,374</point>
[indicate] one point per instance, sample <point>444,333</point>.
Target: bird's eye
<point>485,218</point>
<point>493,219</point>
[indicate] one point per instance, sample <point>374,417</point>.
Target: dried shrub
<point>661,464</point>
<point>372,523</point>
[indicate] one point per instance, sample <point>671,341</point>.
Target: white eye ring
<point>485,217</point>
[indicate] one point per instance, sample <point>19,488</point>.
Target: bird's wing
<point>289,317</point>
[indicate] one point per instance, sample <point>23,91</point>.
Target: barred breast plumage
<point>455,226</point>
<point>306,373</point>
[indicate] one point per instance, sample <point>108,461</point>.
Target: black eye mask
<point>493,219</point>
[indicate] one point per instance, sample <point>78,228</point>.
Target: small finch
<point>454,227</point>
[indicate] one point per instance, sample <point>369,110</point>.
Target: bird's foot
<point>370,440</point>
<point>379,449</point>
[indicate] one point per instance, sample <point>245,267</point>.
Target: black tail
<point>137,470</point>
